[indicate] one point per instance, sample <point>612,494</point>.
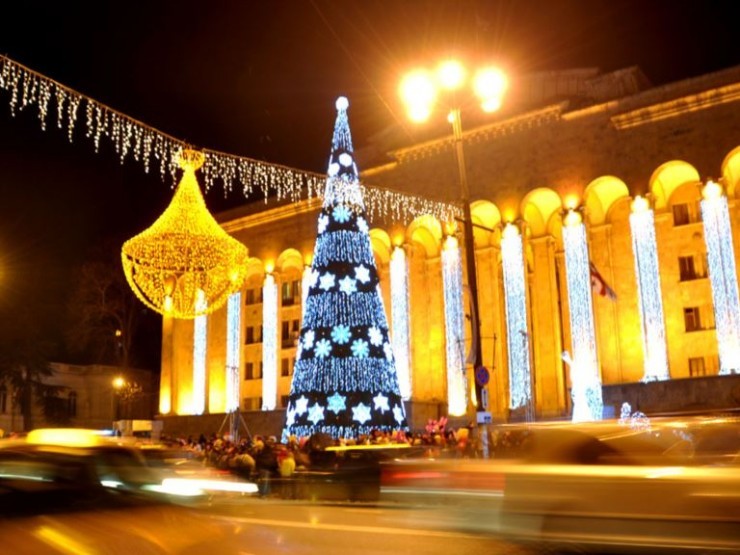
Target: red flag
<point>599,284</point>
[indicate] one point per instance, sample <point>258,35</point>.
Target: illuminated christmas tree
<point>345,382</point>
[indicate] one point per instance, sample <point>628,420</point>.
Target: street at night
<point>380,277</point>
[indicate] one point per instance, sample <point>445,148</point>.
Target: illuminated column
<point>723,276</point>
<point>645,251</point>
<point>584,366</point>
<point>517,336</point>
<point>233,347</point>
<point>200,332</point>
<point>400,319</point>
<point>269,343</point>
<point>166,388</point>
<point>306,280</point>
<point>454,327</point>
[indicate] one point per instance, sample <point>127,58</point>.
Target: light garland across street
<point>151,147</point>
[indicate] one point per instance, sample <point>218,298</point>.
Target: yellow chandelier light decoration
<point>185,265</point>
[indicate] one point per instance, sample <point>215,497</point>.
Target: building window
<point>253,296</point>
<point>72,404</point>
<point>697,367</point>
<point>693,266</point>
<point>252,403</point>
<point>290,333</point>
<point>253,335</point>
<point>284,401</point>
<point>686,213</point>
<point>285,367</point>
<point>249,372</point>
<point>291,292</point>
<point>697,318</point>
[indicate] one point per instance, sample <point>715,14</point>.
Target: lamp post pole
<point>419,91</point>
<point>470,265</point>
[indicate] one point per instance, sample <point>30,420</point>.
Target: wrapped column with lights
<point>645,251</point>
<point>584,365</point>
<point>269,342</point>
<point>344,382</point>
<point>200,332</point>
<point>517,336</point>
<point>233,347</point>
<point>722,275</point>
<point>454,327</point>
<point>400,319</point>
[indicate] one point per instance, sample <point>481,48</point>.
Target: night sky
<point>259,79</point>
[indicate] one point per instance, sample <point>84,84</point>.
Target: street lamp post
<point>420,90</point>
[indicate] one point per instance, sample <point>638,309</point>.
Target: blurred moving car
<point>71,491</point>
<point>668,485</point>
<point>180,470</point>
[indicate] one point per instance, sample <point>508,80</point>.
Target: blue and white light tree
<point>345,382</point>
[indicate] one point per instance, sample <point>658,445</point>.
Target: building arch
<point>487,216</point>
<point>426,232</point>
<point>290,259</point>
<point>538,208</point>
<point>668,178</point>
<point>382,245</point>
<point>731,171</point>
<point>600,196</point>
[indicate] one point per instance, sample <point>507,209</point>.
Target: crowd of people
<point>259,456</point>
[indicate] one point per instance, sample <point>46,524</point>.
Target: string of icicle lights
<point>151,147</point>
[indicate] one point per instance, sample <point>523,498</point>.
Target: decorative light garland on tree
<point>722,275</point>
<point>584,368</point>
<point>645,251</point>
<point>149,146</point>
<point>269,342</point>
<point>233,350</point>
<point>457,401</point>
<point>515,303</point>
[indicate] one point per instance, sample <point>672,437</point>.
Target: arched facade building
<point>581,143</point>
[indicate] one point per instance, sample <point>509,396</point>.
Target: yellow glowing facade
<point>530,168</point>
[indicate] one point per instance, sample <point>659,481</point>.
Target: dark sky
<point>259,79</point>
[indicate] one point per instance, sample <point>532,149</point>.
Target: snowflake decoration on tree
<point>337,403</point>
<point>313,277</point>
<point>308,338</point>
<point>341,213</point>
<point>323,348</point>
<point>398,414</point>
<point>388,350</point>
<point>362,225</point>
<point>360,348</point>
<point>347,285</point>
<point>361,413</point>
<point>301,405</point>
<point>316,413</point>
<point>323,223</point>
<point>290,416</point>
<point>341,334</point>
<point>327,281</point>
<point>362,274</point>
<point>375,336</point>
<point>381,403</point>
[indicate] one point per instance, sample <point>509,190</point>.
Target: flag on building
<point>599,284</point>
